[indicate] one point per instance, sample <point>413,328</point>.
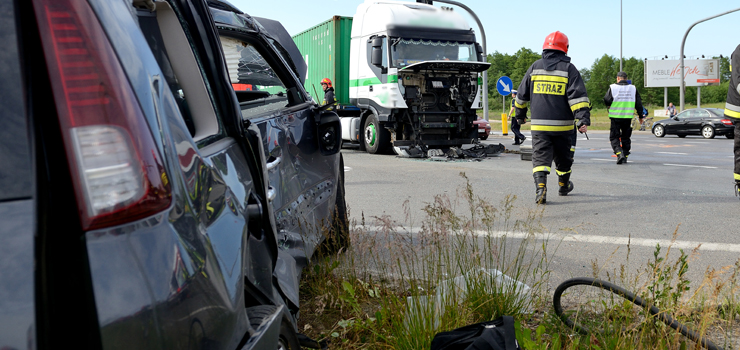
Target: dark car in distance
<point>707,122</point>
<point>144,203</point>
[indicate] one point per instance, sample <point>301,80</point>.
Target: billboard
<point>667,73</point>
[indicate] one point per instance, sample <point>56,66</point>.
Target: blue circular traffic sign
<point>504,86</point>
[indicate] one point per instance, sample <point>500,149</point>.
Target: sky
<point>650,29</point>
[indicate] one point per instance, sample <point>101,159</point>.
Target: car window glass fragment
<point>257,85</point>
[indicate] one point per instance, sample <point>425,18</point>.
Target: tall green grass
<point>402,281</point>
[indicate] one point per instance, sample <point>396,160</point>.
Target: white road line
<point>692,166</point>
<point>605,160</point>
<point>676,153</point>
<point>641,242</point>
<point>697,142</point>
<point>346,169</point>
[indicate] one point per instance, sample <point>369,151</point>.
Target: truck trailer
<point>406,75</point>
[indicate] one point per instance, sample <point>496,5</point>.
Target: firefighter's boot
<point>566,186</point>
<point>621,157</point>
<point>737,188</point>
<point>540,181</point>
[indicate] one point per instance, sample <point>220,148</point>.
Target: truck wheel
<point>375,137</point>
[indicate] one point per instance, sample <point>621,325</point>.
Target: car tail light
<point>116,169</point>
<point>727,122</point>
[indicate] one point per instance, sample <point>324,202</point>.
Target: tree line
<point>601,74</point>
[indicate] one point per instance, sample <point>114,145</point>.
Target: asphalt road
<point>669,184</point>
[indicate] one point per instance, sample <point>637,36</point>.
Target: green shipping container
<point>325,47</point>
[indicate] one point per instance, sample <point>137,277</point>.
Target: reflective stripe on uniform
<point>559,73</point>
<point>551,128</point>
<point>551,122</point>
<point>732,110</point>
<point>551,125</point>
<point>732,114</point>
<point>737,177</point>
<point>578,106</point>
<point>561,173</point>
<point>576,101</point>
<point>541,168</point>
<point>551,78</point>
<point>519,103</point>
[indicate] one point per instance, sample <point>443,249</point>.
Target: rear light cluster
<point>117,171</point>
<point>726,122</point>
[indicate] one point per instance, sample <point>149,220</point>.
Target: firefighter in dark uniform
<point>622,100</point>
<point>329,98</point>
<point>555,91</point>
<point>732,110</point>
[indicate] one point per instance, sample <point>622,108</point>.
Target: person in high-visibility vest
<point>557,94</point>
<point>732,110</point>
<point>622,100</point>
<point>329,98</point>
<point>515,127</point>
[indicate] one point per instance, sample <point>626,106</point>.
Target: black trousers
<point>515,128</point>
<point>620,133</point>
<point>549,146</point>
<point>737,149</point>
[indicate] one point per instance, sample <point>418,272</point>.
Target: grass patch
<point>468,261</point>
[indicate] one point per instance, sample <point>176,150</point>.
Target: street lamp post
<point>682,88</point>
<point>620,35</point>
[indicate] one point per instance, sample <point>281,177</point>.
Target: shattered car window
<point>257,85</point>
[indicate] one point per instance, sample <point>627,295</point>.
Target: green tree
<point>522,60</point>
<point>602,74</point>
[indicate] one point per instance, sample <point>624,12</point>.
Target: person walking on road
<point>555,90</point>
<point>329,98</point>
<point>732,110</point>
<point>515,127</point>
<point>622,99</point>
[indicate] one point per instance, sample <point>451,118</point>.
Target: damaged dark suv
<point>165,177</point>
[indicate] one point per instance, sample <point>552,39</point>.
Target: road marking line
<point>692,166</point>
<point>677,153</point>
<point>641,242</point>
<point>346,169</point>
<point>606,160</point>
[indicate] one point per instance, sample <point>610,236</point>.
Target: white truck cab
<point>414,74</point>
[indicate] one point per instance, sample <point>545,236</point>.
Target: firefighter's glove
<point>582,125</point>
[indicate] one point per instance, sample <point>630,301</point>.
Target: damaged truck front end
<point>440,96</point>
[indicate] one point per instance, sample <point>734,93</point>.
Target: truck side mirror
<point>481,54</point>
<point>377,57</point>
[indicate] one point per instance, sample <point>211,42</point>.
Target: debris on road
<point>477,152</point>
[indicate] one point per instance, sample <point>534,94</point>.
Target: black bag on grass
<point>498,334</point>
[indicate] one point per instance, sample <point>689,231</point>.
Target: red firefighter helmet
<point>326,81</point>
<point>556,41</point>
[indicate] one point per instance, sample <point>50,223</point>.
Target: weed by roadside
<point>469,261</point>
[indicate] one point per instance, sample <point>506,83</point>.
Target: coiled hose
<point>593,282</point>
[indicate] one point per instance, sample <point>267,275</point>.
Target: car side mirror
<point>329,132</point>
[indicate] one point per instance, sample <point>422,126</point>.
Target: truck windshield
<point>405,52</point>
